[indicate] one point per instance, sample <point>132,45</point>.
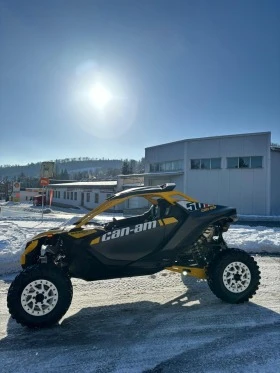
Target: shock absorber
<point>200,248</point>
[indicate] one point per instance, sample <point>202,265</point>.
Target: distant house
<point>28,194</point>
<point>88,194</point>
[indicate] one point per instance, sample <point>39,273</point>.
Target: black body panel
<point>196,222</point>
<point>130,249</point>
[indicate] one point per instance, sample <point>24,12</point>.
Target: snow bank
<point>254,239</point>
<point>13,236</point>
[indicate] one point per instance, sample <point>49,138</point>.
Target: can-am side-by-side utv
<point>176,233</point>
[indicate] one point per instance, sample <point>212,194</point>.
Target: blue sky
<point>171,69</point>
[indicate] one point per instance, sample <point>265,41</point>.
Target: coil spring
<point>200,248</point>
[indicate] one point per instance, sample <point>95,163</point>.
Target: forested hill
<point>70,166</point>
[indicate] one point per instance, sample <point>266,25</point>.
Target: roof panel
<point>144,190</point>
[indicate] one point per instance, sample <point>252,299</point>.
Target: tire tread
<point>22,279</point>
<point>213,272</point>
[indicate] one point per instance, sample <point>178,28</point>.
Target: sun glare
<point>100,96</point>
<point>103,104</point>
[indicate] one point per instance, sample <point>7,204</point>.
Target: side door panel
<point>131,242</point>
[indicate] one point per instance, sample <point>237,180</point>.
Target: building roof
<point>82,184</point>
<point>275,148</point>
<point>211,138</point>
<point>165,173</point>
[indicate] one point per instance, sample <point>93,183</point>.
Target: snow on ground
<point>150,324</point>
<point>20,222</point>
<point>146,324</point>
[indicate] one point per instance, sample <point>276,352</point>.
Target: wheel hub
<point>236,277</point>
<point>39,297</point>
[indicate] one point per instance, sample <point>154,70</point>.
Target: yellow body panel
<point>81,234</point>
<point>170,221</point>
<point>95,241</point>
<point>191,271</point>
<point>29,248</point>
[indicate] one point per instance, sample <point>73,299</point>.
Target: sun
<point>100,96</point>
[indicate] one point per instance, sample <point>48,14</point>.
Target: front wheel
<point>233,276</point>
<point>39,296</point>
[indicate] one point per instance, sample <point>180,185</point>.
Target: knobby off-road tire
<point>233,276</point>
<point>39,296</point>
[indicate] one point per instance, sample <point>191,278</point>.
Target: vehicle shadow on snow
<point>194,315</point>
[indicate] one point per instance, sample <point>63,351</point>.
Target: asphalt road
<point>151,324</point>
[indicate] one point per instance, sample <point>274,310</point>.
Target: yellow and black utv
<point>176,233</point>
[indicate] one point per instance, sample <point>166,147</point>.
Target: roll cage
<point>151,194</point>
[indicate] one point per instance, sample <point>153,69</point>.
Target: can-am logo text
<point>129,230</point>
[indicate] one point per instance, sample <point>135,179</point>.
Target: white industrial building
<point>90,194</point>
<point>85,194</point>
<point>242,170</point>
<point>28,194</point>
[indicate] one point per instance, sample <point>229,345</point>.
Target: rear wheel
<point>39,296</point>
<point>233,276</point>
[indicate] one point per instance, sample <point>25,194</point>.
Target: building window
<point>256,162</point>
<point>58,194</point>
<point>75,196</point>
<point>206,164</point>
<point>195,164</point>
<point>232,162</point>
<point>88,197</point>
<point>169,166</point>
<point>244,162</point>
<point>108,195</point>
<point>72,196</point>
<point>216,163</point>
<point>96,198</point>
<point>64,195</point>
<point>68,195</point>
<point>154,167</point>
